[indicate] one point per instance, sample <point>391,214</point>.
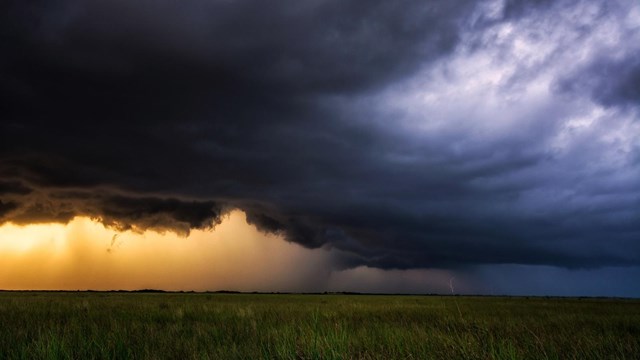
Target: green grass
<point>229,326</point>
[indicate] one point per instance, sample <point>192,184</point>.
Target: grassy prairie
<point>88,325</point>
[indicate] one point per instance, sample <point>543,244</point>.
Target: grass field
<point>87,325</point>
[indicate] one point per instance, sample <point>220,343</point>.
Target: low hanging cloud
<point>412,134</point>
<point>114,209</point>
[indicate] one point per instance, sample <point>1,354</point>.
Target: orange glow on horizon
<point>22,239</point>
<point>83,254</point>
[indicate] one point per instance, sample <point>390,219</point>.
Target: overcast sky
<point>496,139</point>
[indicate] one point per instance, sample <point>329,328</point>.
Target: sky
<point>488,147</point>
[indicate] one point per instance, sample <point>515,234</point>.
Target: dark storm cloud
<point>13,187</point>
<point>114,209</point>
<point>167,114</point>
<point>613,82</point>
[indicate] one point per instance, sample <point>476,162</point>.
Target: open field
<point>86,325</point>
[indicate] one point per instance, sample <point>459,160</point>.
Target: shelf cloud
<point>406,134</point>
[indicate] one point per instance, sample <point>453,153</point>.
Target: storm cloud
<point>408,134</point>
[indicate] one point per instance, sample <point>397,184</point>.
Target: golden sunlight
<point>83,254</point>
